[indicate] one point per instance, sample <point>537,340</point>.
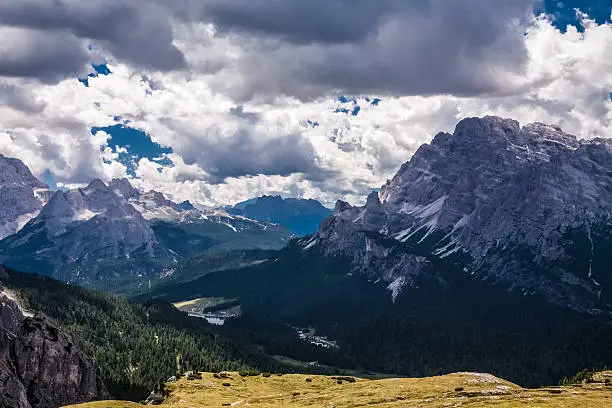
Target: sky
<point>218,101</point>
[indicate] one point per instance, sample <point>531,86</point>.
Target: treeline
<point>136,347</point>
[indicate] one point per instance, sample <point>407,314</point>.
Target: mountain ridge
<point>300,216</point>
<point>490,187</point>
<point>115,232</point>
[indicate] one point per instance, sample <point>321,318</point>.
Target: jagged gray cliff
<point>527,207</point>
<point>40,365</point>
<point>21,195</point>
<point>85,234</point>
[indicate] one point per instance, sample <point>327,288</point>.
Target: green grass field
<point>453,390</point>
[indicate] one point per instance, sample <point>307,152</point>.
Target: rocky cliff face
<point>40,365</point>
<point>21,195</point>
<point>527,207</point>
<point>85,234</point>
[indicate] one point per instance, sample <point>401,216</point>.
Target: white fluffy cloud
<point>230,145</point>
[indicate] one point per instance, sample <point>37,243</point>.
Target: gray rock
<point>21,195</point>
<point>85,234</point>
<point>156,398</point>
<point>520,203</point>
<point>40,365</point>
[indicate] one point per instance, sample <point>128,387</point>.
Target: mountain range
<point>112,232</point>
<point>527,209</point>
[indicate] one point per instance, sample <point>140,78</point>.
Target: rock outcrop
<point>40,364</point>
<point>21,195</point>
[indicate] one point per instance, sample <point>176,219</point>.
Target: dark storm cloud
<point>136,31</point>
<point>35,54</point>
<point>243,152</point>
<point>303,48</point>
<point>304,22</point>
<point>19,98</point>
<point>461,47</point>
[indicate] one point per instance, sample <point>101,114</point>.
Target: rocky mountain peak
<point>80,229</point>
<point>95,185</point>
<point>21,195</point>
<point>491,186</point>
<point>487,129</point>
<point>124,188</point>
<point>158,199</point>
<point>341,206</point>
<point>186,205</point>
<point>15,172</point>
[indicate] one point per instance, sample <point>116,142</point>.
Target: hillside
<point>453,390</point>
<point>135,347</point>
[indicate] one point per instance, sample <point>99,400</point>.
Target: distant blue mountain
<point>302,217</point>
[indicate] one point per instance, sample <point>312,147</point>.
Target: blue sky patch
<point>138,145</point>
<point>49,179</point>
<point>355,108</point>
<point>99,69</point>
<point>564,13</point>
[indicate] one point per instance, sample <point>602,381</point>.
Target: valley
<point>477,256</point>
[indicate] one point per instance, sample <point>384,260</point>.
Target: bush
<point>584,376</point>
<point>249,373</point>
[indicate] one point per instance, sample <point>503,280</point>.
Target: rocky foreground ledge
<point>453,390</point>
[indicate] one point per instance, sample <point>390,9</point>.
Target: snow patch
<point>396,287</point>
<point>312,242</point>
<point>228,225</point>
<point>84,215</point>
<point>426,211</point>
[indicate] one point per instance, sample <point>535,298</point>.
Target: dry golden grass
<point>107,404</point>
<point>453,390</point>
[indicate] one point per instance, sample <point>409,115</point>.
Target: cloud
<point>239,147</point>
<point>48,56</point>
<point>299,22</point>
<point>236,127</point>
<point>135,31</point>
<point>390,47</point>
<point>20,99</point>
